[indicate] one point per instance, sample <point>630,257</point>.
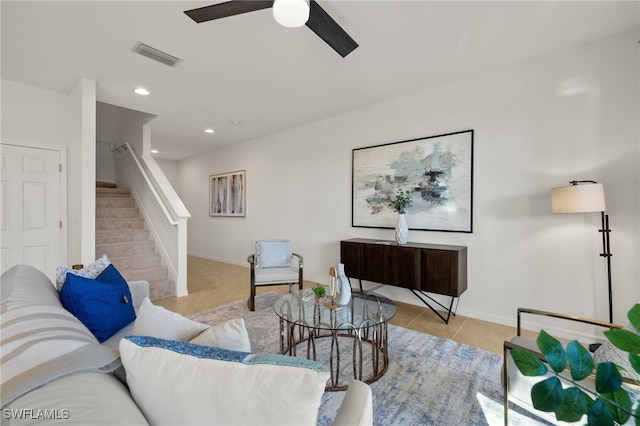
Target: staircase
<point>121,235</point>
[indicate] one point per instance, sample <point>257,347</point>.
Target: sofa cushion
<point>357,406</point>
<point>104,305</point>
<point>77,399</point>
<point>24,285</point>
<point>181,383</point>
<point>91,270</point>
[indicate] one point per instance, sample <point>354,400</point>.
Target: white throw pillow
<point>156,321</point>
<point>609,353</point>
<point>91,271</point>
<point>231,335</point>
<point>172,387</point>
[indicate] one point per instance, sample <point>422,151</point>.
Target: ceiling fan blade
<point>229,8</point>
<point>328,30</point>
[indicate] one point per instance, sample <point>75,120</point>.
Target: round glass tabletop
<point>364,310</point>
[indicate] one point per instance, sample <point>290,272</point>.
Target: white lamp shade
<point>583,198</point>
<point>291,13</point>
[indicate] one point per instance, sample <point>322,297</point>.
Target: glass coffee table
<point>326,331</point>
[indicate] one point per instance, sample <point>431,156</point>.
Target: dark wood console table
<point>422,268</point>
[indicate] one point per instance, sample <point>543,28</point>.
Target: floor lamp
<point>586,196</point>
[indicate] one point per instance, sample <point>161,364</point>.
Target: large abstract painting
<point>228,194</point>
<point>438,172</point>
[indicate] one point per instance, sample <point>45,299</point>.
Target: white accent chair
<point>273,263</point>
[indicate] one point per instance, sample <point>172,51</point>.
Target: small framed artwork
<point>436,170</point>
<point>228,194</point>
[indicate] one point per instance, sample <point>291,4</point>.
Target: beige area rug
<point>430,381</point>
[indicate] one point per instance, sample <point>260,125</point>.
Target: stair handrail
<point>161,198</point>
<point>171,205</point>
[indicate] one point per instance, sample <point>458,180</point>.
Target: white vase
<point>343,286</point>
<point>402,230</point>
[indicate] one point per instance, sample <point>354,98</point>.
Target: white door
<point>30,208</point>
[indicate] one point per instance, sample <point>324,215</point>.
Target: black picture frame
<point>437,170</point>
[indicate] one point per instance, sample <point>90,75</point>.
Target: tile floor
<point>212,284</point>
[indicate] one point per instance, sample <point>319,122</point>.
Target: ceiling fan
<point>291,13</point>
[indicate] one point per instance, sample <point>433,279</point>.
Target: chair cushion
<point>276,276</point>
<point>273,254</point>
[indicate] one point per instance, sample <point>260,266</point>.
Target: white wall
<point>538,124</point>
<point>42,117</point>
<point>170,168</point>
<point>118,125</point>
<point>82,201</point>
<point>105,163</point>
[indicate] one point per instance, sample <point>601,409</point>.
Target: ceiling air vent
<point>155,54</point>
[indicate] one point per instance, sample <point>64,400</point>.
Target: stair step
<point>121,236</point>
<point>155,273</point>
<point>118,212</point>
<point>113,192</point>
<point>109,224</point>
<point>115,202</point>
<point>140,261</point>
<point>123,249</point>
<point>101,184</point>
<point>161,289</point>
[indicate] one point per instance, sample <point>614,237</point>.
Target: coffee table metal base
<point>373,337</point>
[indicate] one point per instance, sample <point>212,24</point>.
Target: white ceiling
<point>271,78</point>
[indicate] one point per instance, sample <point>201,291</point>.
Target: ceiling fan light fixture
<point>291,13</point>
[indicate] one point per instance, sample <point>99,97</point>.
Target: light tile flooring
<point>212,284</point>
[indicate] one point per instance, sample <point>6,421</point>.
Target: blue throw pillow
<point>103,305</point>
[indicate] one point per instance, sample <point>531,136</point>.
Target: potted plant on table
<point>320,292</point>
<point>399,204</point>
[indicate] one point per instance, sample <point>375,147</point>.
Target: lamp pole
<point>606,253</point>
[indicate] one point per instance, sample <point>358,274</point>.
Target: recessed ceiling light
<point>141,91</point>
<point>154,151</point>
<point>209,130</point>
<point>235,122</point>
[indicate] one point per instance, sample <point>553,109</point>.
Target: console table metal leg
<point>449,310</point>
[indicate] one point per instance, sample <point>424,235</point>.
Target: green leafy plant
<point>401,201</point>
<point>609,405</point>
<point>319,291</point>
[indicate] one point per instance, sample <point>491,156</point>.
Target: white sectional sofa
<point>54,371</point>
